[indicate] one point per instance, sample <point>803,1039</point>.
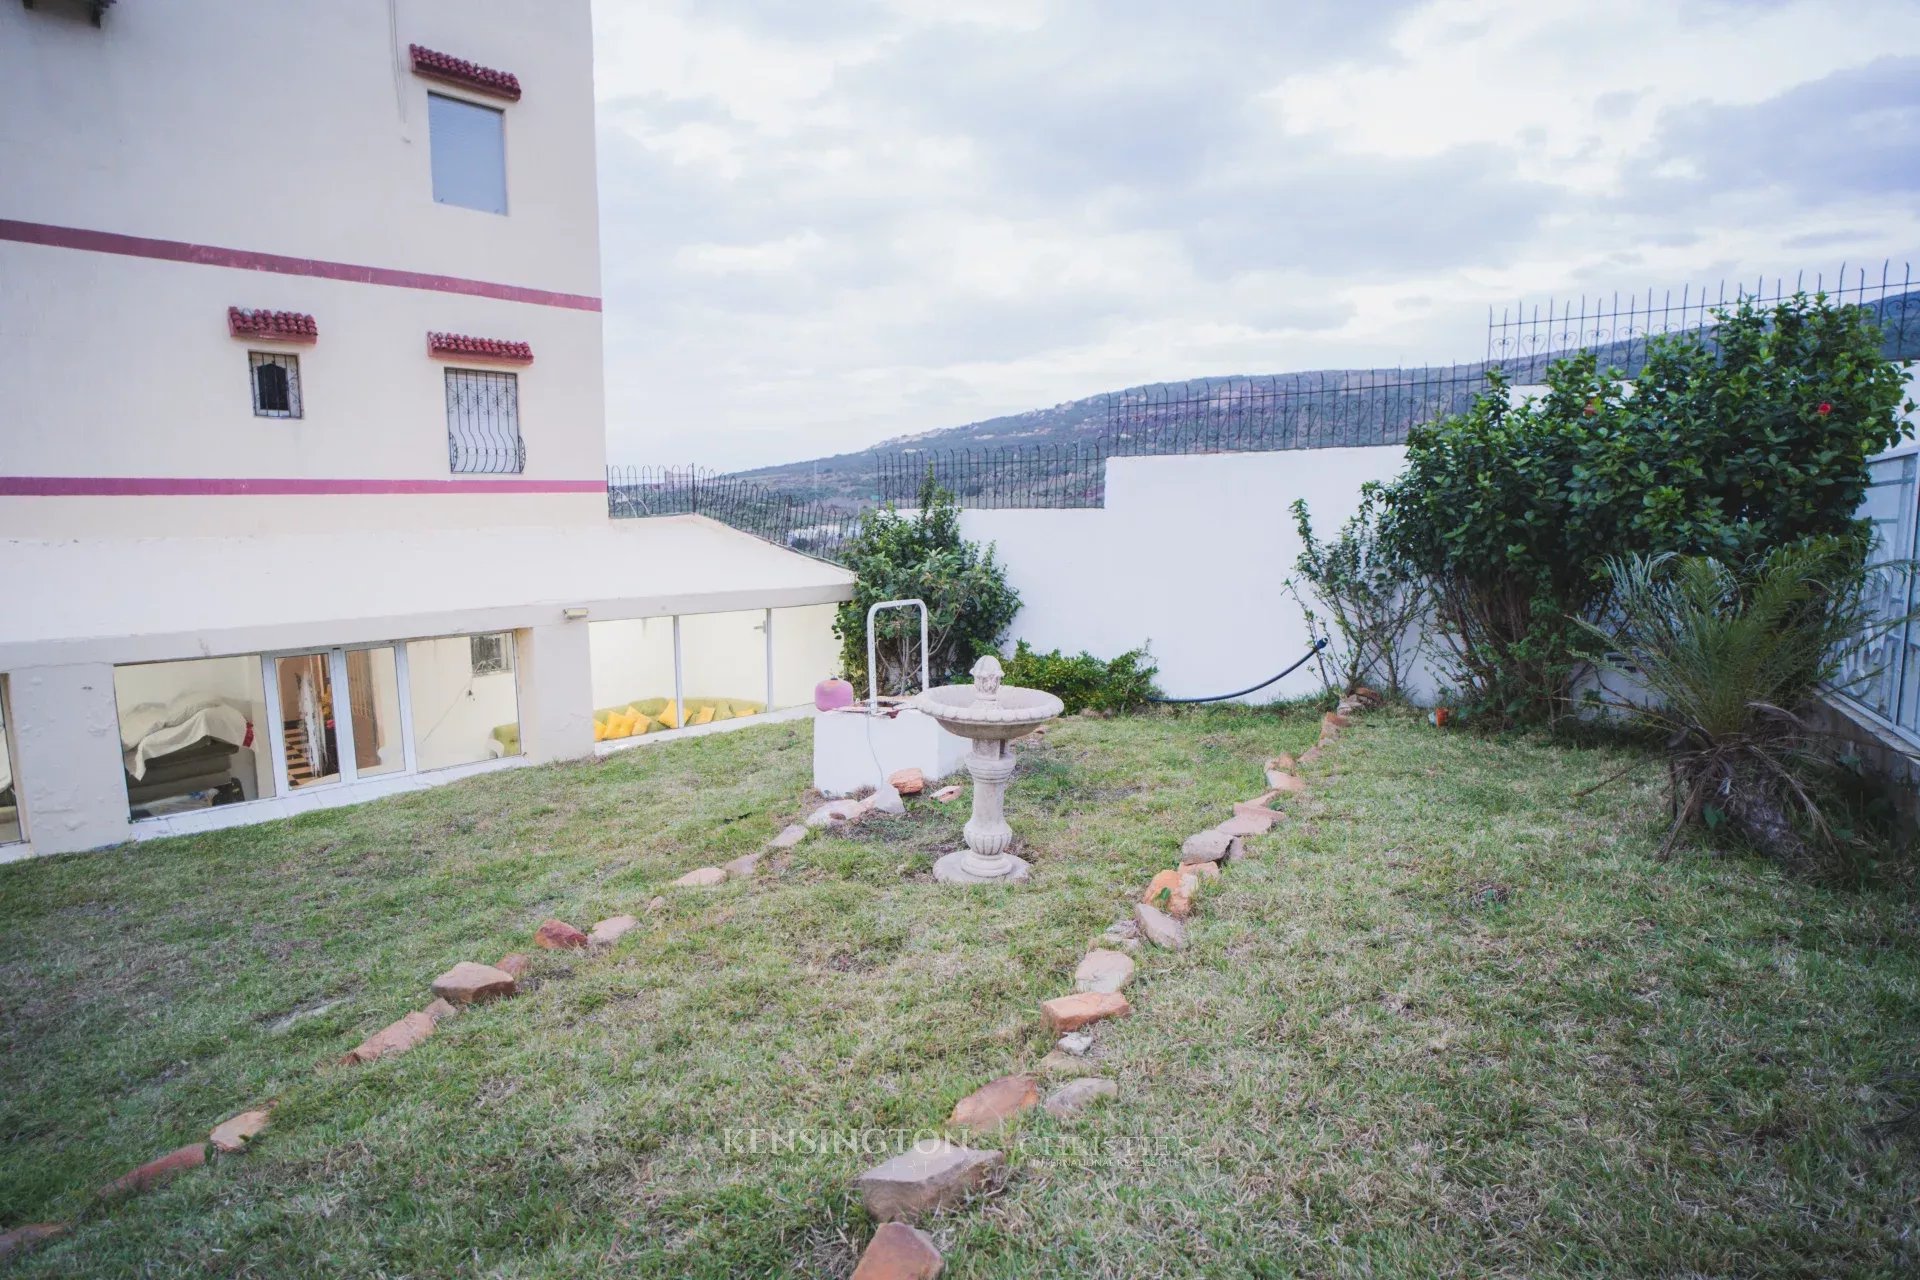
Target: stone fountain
<point>992,716</point>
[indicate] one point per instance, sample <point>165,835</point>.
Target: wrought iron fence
<point>1884,679</point>
<point>1620,329</point>
<point>812,527</point>
<point>1357,407</point>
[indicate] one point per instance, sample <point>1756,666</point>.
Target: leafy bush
<point>1725,448</point>
<point>1729,659</point>
<point>1084,682</point>
<point>1374,600</point>
<point>922,556</point>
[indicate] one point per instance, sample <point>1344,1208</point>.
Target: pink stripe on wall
<point>209,486</point>
<point>248,260</point>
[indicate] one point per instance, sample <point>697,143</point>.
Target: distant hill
<point>1289,410</point>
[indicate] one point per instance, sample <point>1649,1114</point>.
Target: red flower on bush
<point>1826,407</point>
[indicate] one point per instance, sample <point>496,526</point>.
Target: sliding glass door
<point>338,715</point>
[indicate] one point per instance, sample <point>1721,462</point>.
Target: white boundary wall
<point>1189,555</point>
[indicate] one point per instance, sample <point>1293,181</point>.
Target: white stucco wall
<point>805,652</point>
<point>1188,555</point>
<point>296,130</point>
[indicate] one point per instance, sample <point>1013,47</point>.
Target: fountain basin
<point>1015,712</point>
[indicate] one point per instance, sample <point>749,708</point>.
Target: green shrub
<point>922,556</point>
<point>1512,511</point>
<point>1374,602</point>
<point>1083,682</point>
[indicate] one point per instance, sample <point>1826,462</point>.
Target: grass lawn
<point>1449,1020</point>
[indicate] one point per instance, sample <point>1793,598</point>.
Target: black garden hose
<point>1318,645</point>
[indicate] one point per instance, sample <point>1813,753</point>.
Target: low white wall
<point>1189,555</point>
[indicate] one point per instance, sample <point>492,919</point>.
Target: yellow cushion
<point>720,711</point>
<point>649,706</point>
<point>623,725</point>
<point>649,725</point>
<point>599,730</point>
<point>668,717</point>
<point>705,716</point>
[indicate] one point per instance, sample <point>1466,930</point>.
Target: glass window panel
<point>632,669</point>
<point>723,665</point>
<point>805,652</point>
<point>304,688</point>
<point>9,794</point>
<point>192,734</point>
<point>373,691</point>
<point>469,147</point>
<point>466,707</point>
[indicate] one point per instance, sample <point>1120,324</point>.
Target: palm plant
<point>1729,660</point>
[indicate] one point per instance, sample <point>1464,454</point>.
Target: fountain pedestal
<point>992,717</point>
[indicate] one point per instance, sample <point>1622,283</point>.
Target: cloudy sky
<point>827,222</point>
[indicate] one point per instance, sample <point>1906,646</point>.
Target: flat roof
<point>149,599</point>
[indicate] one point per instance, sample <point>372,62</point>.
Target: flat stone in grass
<point>789,836</point>
<point>745,867</point>
<point>1180,901</point>
<point>394,1038</point>
<point>899,1252</point>
<point>1159,928</point>
<point>470,983</point>
<point>1241,824</point>
<point>1211,846</point>
<point>440,1010</point>
<point>1290,784</point>
<point>1310,756</point>
<point>992,1105</point>
<point>515,963</point>
<point>154,1172</point>
<point>702,878</point>
<point>1070,1013</point>
<point>612,929</point>
<point>931,1175</point>
<point>1059,1062</point>
<point>948,794</point>
<point>1261,806</point>
<point>836,813</point>
<point>1075,1042</point>
<point>908,782</point>
<point>1163,882</point>
<point>558,935</point>
<point>1204,870</point>
<point>234,1133</point>
<point>1103,971</point>
<point>1077,1095</point>
<point>22,1238</point>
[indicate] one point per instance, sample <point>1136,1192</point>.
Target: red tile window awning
<point>274,326</point>
<point>459,346</point>
<point>468,75</point>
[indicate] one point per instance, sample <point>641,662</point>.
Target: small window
<point>483,422</point>
<point>469,147</point>
<point>491,654</point>
<point>276,385</point>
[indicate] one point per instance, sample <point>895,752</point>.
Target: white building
<point>302,486</point>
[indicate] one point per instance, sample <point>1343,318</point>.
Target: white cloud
<point>824,225</point>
